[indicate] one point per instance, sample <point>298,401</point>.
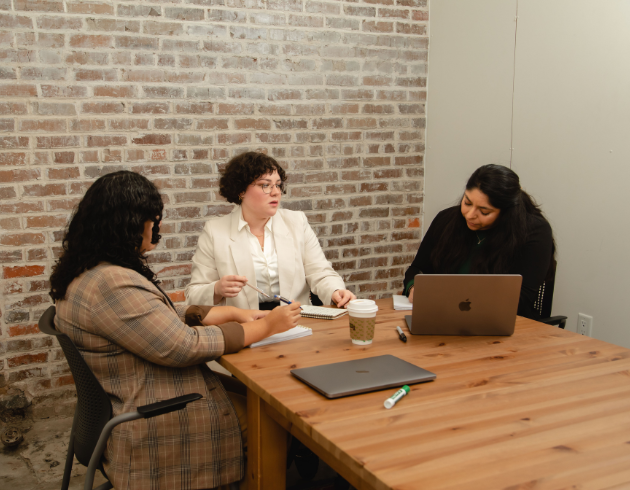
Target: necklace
<point>262,245</point>
<point>479,240</point>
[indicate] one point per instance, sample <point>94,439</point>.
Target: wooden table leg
<point>266,447</point>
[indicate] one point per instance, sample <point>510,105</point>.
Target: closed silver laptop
<point>362,375</point>
<point>464,304</point>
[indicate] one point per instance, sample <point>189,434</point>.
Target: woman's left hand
<point>244,316</point>
<point>224,314</point>
<point>342,297</point>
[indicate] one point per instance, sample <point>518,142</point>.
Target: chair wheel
<point>11,437</point>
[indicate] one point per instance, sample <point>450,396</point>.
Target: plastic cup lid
<point>362,306</point>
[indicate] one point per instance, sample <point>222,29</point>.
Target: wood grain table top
<point>542,409</point>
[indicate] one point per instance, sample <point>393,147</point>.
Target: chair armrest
<point>145,411</point>
<point>102,443</point>
<point>561,321</point>
<point>167,406</point>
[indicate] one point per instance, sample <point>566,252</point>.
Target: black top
<point>532,263</point>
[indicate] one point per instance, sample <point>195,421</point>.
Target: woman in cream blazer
<point>224,260</point>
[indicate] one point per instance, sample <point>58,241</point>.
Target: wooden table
<point>543,409</point>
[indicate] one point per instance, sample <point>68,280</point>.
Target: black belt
<point>268,305</point>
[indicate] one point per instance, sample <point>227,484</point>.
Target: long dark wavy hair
<point>107,226</point>
<point>508,234</point>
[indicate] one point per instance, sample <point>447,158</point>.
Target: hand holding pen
<point>229,286</point>
<point>277,320</point>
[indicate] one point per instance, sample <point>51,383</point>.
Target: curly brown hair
<point>242,170</point>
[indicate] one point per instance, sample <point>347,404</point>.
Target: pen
<point>390,402</point>
<point>256,289</point>
<point>277,296</point>
<point>401,335</point>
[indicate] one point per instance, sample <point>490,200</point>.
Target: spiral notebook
<point>293,333</point>
<point>322,313</point>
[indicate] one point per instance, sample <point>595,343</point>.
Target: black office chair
<point>543,305</point>
<point>315,301</point>
<point>93,422</point>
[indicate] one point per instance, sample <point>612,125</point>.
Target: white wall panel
<point>572,149</point>
<point>471,63</point>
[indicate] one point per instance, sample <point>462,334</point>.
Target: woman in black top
<point>496,229</point>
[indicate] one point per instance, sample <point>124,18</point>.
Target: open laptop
<point>464,304</point>
<point>361,376</point>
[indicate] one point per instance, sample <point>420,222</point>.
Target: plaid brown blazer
<point>142,352</point>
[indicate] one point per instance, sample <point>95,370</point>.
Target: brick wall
<point>334,90</point>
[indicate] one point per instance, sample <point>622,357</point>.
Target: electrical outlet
<point>585,325</point>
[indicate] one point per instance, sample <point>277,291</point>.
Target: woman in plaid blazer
<point>143,349</point>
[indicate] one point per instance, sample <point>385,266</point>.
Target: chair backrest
<point>94,409</point>
<point>315,301</point>
<point>544,300</point>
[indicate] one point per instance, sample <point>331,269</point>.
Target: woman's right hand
<point>411,295</point>
<point>281,319</point>
<point>229,286</point>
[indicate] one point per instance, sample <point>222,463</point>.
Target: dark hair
<point>107,225</point>
<point>242,170</point>
<point>508,233</point>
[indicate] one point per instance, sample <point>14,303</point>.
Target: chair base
<point>105,486</point>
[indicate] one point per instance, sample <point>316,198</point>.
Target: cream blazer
<point>223,250</point>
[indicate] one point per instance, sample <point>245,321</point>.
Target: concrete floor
<point>38,462</point>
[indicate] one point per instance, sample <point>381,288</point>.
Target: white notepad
<point>294,333</point>
<point>310,311</point>
<point>402,302</point>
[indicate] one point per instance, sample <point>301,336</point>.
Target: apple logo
<point>464,305</point>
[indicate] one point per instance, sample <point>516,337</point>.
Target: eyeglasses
<point>266,188</point>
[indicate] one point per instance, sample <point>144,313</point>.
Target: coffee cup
<point>362,317</point>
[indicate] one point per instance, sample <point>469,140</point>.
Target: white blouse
<point>265,261</point>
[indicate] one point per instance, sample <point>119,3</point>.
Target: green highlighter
<point>390,402</point>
